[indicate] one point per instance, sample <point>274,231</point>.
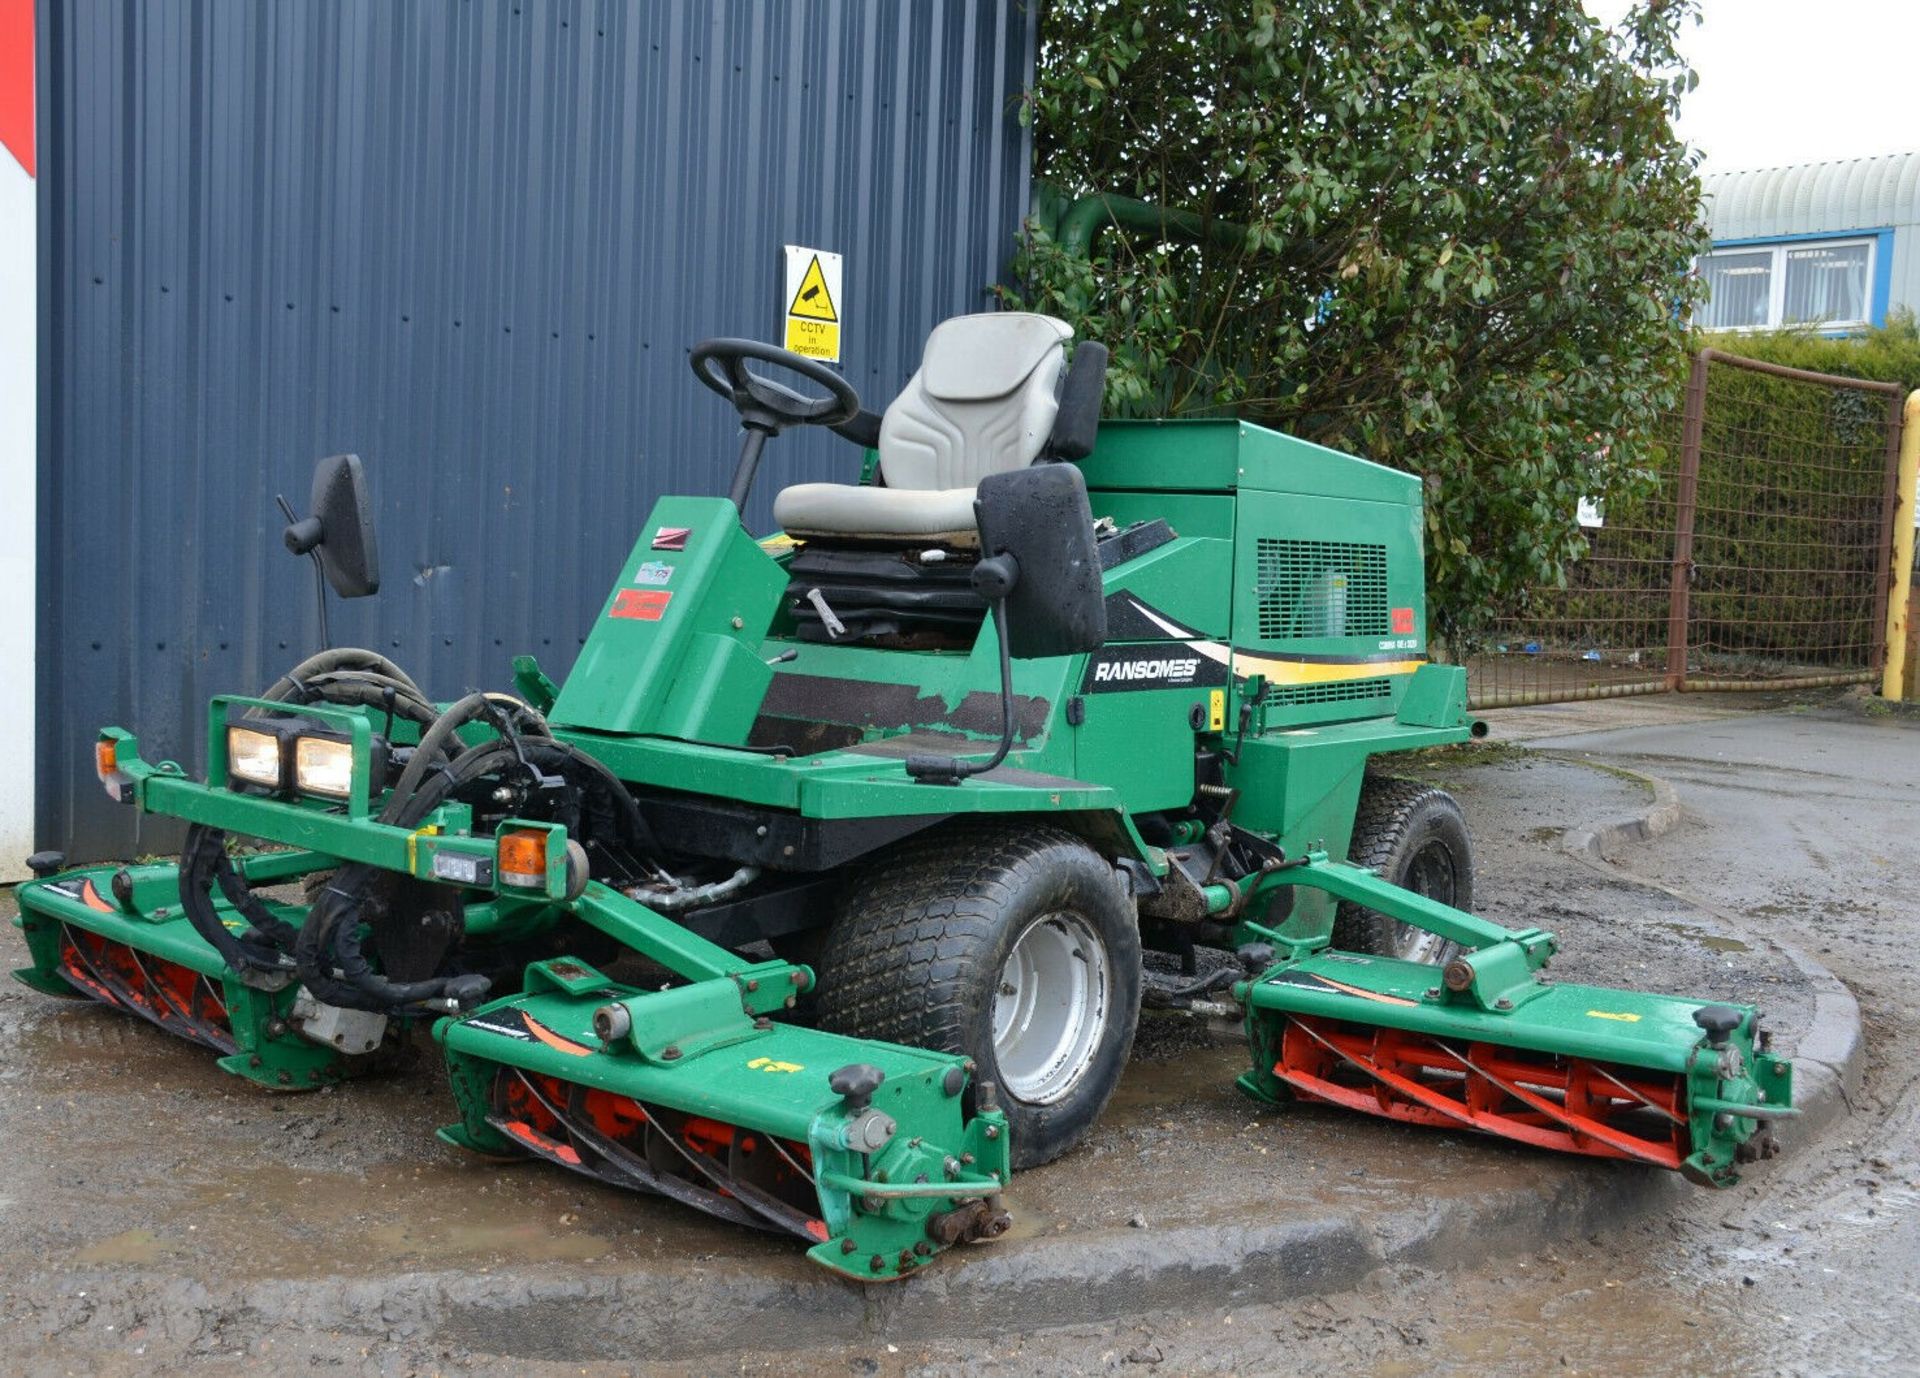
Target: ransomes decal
<point>1164,666</point>
<point>1150,667</point>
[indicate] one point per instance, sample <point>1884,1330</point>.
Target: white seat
<point>982,402</point>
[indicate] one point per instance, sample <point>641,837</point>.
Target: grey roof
<point>1808,198</point>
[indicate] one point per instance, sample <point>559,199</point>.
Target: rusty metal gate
<point>1758,557</point>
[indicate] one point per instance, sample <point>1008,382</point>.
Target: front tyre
<point>1015,946</point>
<point>1413,835</point>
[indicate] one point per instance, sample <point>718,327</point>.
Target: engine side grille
<point>1320,588</point>
<point>1340,691</point>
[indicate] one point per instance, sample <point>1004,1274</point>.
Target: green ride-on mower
<point>816,896</point>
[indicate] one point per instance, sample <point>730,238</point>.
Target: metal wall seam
<point>471,242</point>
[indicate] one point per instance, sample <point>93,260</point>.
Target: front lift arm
<point>1498,972</point>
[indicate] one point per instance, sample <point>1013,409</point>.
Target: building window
<point>1826,282</point>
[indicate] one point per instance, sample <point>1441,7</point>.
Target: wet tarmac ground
<point>130,1159</point>
<point>1799,824</point>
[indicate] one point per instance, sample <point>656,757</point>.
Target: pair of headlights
<point>309,762</point>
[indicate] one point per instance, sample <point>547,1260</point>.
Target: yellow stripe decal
<point>1306,672</point>
<point>1280,671</point>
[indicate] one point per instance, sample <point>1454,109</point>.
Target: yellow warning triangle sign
<point>813,302</point>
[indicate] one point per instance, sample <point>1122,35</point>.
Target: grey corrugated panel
<point>1814,198</point>
<point>471,242</point>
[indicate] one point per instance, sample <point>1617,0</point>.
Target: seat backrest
<point>983,401</point>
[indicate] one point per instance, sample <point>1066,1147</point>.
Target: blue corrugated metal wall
<point>472,242</point>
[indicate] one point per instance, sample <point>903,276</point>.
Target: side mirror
<point>1039,561</point>
<point>338,532</point>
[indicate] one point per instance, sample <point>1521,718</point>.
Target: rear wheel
<point>1415,836</point>
<point>1015,947</point>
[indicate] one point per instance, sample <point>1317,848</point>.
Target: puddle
<point>1712,942</point>
<point>520,1242</point>
<point>133,1246</point>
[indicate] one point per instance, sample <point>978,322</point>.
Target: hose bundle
<point>327,951</point>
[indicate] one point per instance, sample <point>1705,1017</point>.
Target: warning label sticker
<point>643,605</point>
<point>813,304</point>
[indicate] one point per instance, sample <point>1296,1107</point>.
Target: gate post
<point>1692,431</point>
<point>1894,669</point>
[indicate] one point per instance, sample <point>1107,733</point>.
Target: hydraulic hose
<point>204,863</point>
<point>341,658</point>
<point>346,675</point>
<point>673,899</point>
<point>332,960</point>
<point>434,742</point>
<point>363,688</point>
<point>332,963</point>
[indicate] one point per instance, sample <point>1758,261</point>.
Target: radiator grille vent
<point>1321,588</point>
<point>1341,691</point>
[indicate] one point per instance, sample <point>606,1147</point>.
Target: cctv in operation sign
<point>813,303</point>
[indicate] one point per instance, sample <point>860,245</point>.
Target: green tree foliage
<point>1467,230</point>
<point>1887,354</point>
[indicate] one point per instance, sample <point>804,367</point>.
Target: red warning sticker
<point>671,537</point>
<point>1403,621</point>
<point>645,605</point>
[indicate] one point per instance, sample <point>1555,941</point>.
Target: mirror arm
<point>303,538</point>
<point>949,770</point>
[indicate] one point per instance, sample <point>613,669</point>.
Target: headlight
<point>321,766</point>
<point>253,756</point>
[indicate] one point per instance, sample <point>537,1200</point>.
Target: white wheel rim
<point>1416,944</point>
<point>1050,1008</point>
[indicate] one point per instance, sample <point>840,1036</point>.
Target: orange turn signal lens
<point>104,752</point>
<point>523,858</point>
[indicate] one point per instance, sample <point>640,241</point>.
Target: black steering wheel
<point>765,405</point>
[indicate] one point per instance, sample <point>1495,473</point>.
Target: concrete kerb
<point>1828,1062</point>
<point>1088,1279</point>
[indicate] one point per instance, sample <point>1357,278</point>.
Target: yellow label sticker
<point>813,339</point>
<point>413,844</point>
<point>812,313</point>
<point>1217,710</point>
<point>767,1064</point>
<point>1619,1015</point>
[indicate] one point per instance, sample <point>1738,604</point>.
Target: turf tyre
<point>1414,835</point>
<point>919,954</point>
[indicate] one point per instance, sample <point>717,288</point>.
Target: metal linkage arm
<point>1496,973</point>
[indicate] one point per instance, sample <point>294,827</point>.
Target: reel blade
<point>1564,1104</point>
<point>560,1122</point>
<point>1684,1085</point>
<point>179,1000</point>
<point>683,1093</point>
